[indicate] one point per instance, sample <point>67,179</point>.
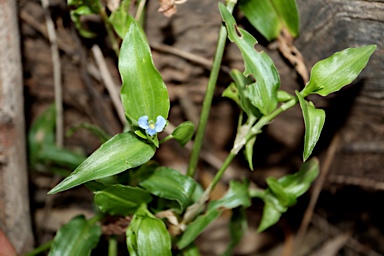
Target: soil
<point>349,203</point>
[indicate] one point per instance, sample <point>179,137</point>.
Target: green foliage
<point>262,93</point>
<point>333,73</point>
<point>236,196</point>
<point>84,7</point>
<point>184,132</point>
<point>147,235</point>
<point>283,193</point>
<point>146,104</point>
<point>143,92</point>
<point>168,184</point>
<point>77,237</point>
<point>44,155</point>
<point>121,152</point>
<point>314,121</point>
<point>121,200</point>
<point>269,17</point>
<point>120,19</point>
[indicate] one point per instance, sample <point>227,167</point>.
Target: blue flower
<point>150,126</point>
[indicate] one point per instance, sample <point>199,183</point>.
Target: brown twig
<point>293,55</point>
<point>56,74</point>
<point>186,55</point>
<point>109,84</point>
<point>317,189</point>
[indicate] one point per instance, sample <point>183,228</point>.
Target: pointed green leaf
<point>143,92</point>
<point>298,183</point>
<point>314,121</point>
<point>237,228</point>
<point>77,237</point>
<point>120,19</point>
<point>278,191</point>
<point>333,73</point>
<point>195,228</point>
<point>232,93</point>
<point>269,17</point>
<point>249,152</point>
<point>271,215</point>
<point>284,192</point>
<point>262,93</point>
<point>41,134</point>
<point>153,238</point>
<point>284,96</point>
<point>236,196</point>
<point>245,104</point>
<point>121,152</point>
<point>169,184</point>
<point>121,200</point>
<point>184,132</point>
<point>262,15</point>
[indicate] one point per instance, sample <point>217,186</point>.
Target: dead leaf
<point>167,7</point>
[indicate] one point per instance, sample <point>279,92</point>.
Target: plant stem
<point>40,249</point>
<point>112,246</point>
<point>254,130</point>
<point>208,96</point>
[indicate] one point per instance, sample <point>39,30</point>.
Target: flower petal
<point>151,132</point>
<point>143,122</point>
<point>160,123</point>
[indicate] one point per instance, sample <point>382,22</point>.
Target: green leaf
<point>41,134</point>
<point>184,132</point>
<point>314,121</point>
<point>196,227</point>
<point>120,19</point>
<point>284,192</point>
<point>241,83</point>
<point>333,73</point>
<point>169,184</point>
<point>269,17</point>
<point>121,152</point>
<point>232,93</point>
<point>278,190</point>
<point>121,200</point>
<point>94,5</point>
<point>284,96</point>
<point>60,156</point>
<point>298,183</point>
<point>77,237</point>
<point>191,250</point>
<point>153,238</point>
<point>262,93</point>
<point>76,15</point>
<point>143,92</point>
<point>249,151</point>
<point>236,196</point>
<point>271,213</point>
<point>237,228</point>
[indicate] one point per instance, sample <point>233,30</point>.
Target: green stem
<point>254,130</point>
<point>112,246</point>
<point>40,249</point>
<point>208,96</point>
<point>110,32</point>
<point>165,139</point>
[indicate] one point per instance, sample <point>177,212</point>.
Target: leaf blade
<point>121,152</point>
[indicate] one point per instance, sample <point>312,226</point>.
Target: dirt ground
<point>347,219</point>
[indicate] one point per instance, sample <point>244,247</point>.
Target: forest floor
<point>347,219</point>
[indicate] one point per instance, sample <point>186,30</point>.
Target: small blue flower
<point>150,126</point>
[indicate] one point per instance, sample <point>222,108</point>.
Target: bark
<point>14,200</point>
